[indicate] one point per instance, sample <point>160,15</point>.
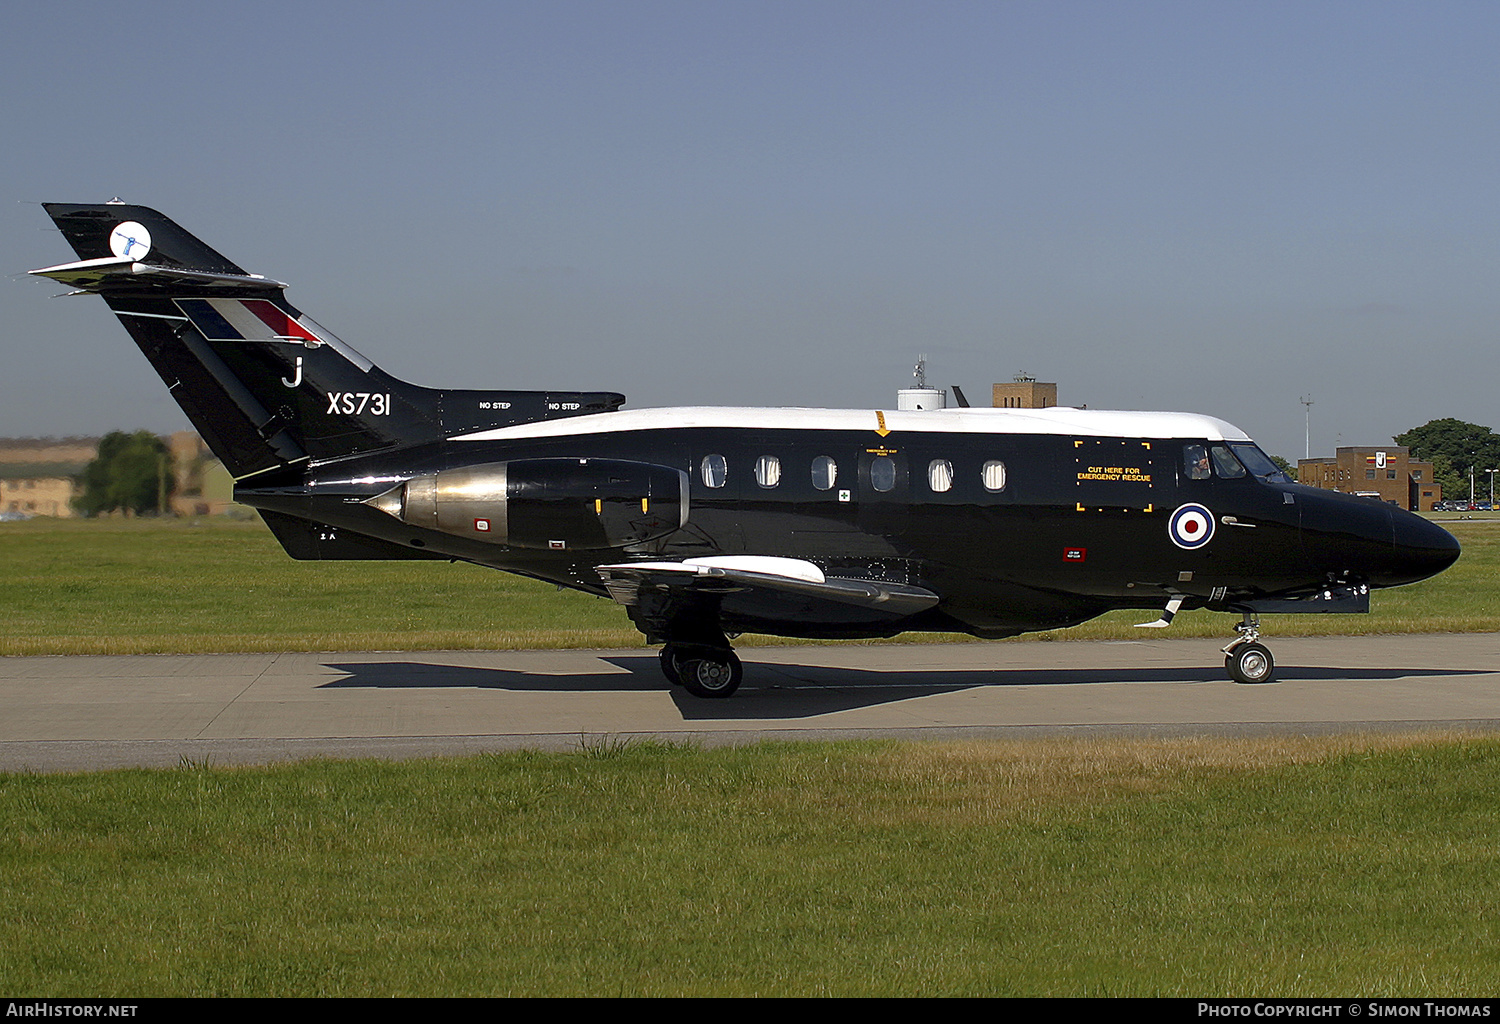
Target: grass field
<point>1364,866</point>
<point>214,585</point>
<point>1269,867</point>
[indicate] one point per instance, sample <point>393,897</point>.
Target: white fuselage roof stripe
<point>1055,420</point>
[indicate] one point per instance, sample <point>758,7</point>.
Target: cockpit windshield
<point>1259,463</point>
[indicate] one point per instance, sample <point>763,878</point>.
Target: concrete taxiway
<point>69,713</point>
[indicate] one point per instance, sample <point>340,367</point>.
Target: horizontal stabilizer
<point>98,274</point>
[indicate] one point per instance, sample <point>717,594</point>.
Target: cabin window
<point>1195,462</point>
<point>768,471</point>
<point>882,472</point>
<point>1225,464</point>
<point>715,470</point>
<point>939,475</point>
<point>993,475</point>
<point>824,472</point>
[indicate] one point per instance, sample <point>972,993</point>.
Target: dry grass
<point>1019,777</point>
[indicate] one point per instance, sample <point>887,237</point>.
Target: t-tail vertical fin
<point>265,385</point>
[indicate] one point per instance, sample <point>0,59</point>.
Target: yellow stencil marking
<point>882,430</point>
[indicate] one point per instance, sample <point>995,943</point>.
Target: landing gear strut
<point>702,669</point>
<point>1246,659</point>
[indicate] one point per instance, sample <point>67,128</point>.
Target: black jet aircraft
<point>709,522</point>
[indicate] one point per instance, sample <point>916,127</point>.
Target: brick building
<point>1024,393</point>
<point>1387,473</point>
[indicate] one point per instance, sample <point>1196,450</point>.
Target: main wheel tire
<point>1250,663</point>
<point>670,665</point>
<point>714,675</point>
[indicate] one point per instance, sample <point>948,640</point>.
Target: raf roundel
<point>130,239</point>
<point>1191,526</point>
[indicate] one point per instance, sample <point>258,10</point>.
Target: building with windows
<point>1024,393</point>
<point>1387,474</point>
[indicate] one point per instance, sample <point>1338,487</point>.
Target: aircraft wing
<point>762,577</point>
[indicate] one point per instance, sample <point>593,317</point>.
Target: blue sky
<point>1215,207</point>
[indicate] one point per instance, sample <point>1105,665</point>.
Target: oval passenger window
<point>993,475</point>
<point>768,471</point>
<point>939,475</point>
<point>715,470</point>
<point>824,472</point>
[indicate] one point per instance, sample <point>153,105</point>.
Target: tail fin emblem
<point>130,239</point>
<point>246,320</point>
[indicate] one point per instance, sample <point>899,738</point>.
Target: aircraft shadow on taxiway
<point>775,690</point>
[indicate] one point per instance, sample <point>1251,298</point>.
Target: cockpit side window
<point>1259,463</point>
<point>1195,462</point>
<point>1225,464</point>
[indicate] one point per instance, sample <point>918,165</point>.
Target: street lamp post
<point>1307,440</point>
<point>1492,473</point>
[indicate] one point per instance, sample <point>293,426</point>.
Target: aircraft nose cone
<point>1423,548</point>
<point>1347,535</point>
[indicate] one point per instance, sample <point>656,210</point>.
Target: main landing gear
<point>1246,659</point>
<point>703,670</point>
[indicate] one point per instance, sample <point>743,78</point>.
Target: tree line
<point>132,472</point>
<point>1455,448</point>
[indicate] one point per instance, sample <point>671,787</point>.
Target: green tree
<point>132,472</point>
<point>1453,446</point>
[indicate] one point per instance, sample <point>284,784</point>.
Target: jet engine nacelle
<point>546,503</point>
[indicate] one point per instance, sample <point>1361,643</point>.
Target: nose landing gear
<point>1246,659</point>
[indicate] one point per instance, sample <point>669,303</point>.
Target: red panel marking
<point>275,318</point>
<point>482,525</point>
<point>1074,554</point>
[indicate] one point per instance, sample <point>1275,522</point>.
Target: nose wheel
<point>1246,659</point>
